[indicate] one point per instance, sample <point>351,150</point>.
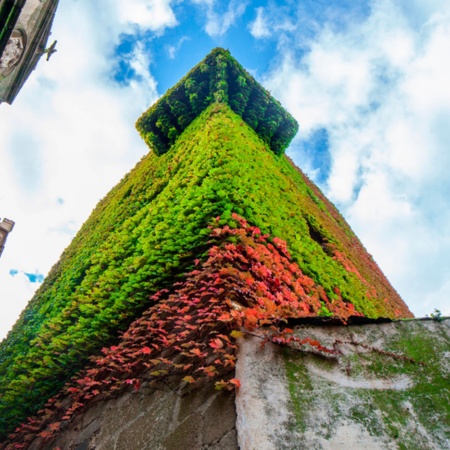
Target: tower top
<point>218,78</point>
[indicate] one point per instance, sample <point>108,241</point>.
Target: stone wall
<point>388,387</point>
<point>152,420</point>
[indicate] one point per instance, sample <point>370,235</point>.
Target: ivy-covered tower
<point>215,232</point>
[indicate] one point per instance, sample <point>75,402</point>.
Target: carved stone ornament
<point>13,52</point>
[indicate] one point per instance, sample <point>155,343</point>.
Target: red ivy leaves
<point>247,281</point>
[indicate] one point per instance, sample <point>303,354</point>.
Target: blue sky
<point>367,81</point>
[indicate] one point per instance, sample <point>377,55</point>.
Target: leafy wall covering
<point>218,78</point>
<point>154,227</point>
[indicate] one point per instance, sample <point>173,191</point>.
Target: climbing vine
<point>218,78</point>
<point>247,282</point>
<point>145,235</point>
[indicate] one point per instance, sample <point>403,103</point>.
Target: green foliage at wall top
<point>147,232</point>
<point>218,78</point>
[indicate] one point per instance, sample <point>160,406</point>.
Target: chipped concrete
<point>335,375</point>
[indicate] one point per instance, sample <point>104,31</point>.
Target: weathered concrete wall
<point>364,398</point>
<point>152,420</point>
<point>389,388</point>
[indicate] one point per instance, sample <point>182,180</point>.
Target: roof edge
<point>218,78</point>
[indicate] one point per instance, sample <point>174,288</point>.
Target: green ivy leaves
<point>147,232</point>
<point>218,78</point>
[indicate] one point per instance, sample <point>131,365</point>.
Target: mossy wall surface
<point>147,232</point>
<point>388,388</point>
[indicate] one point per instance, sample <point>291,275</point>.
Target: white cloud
<point>14,290</point>
<point>259,28</point>
<point>219,22</point>
<point>140,63</point>
<point>172,50</point>
<point>154,15</point>
<point>380,88</point>
<point>70,135</point>
<point>271,21</point>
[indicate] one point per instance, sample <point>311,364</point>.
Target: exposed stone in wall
<point>360,399</point>
<point>152,420</point>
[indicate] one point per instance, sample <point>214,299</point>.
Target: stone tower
<point>6,227</point>
<point>24,31</point>
<point>214,234</point>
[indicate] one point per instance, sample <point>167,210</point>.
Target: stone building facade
<point>24,30</point>
<point>6,227</point>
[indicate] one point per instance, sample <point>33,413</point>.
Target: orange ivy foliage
<point>247,281</point>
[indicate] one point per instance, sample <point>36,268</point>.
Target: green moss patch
<point>395,385</point>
